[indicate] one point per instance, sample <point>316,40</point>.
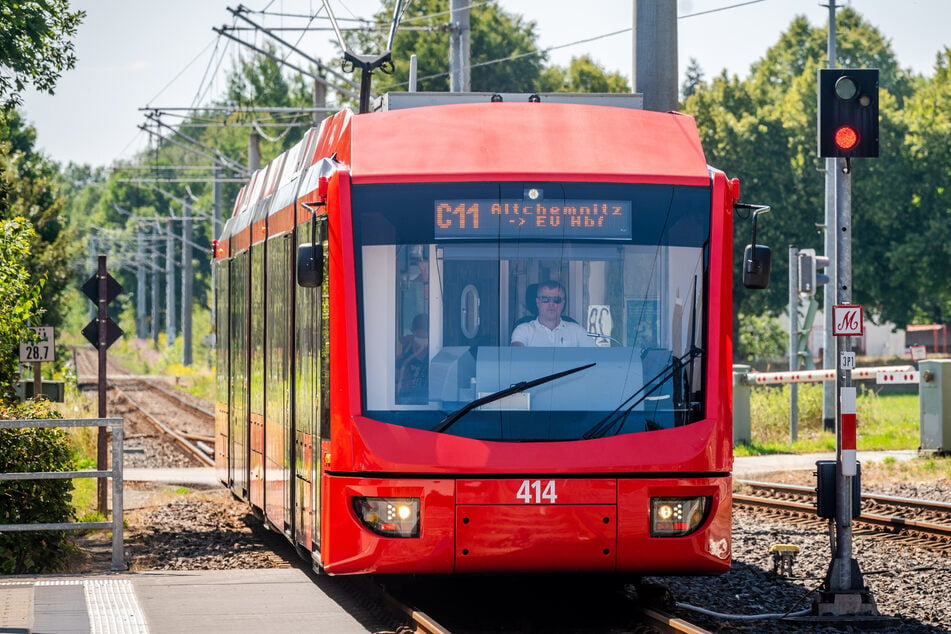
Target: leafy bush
<point>34,501</point>
<point>19,299</point>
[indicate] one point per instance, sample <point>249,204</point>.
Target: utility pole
<point>187,284</point>
<point>170,331</point>
<point>153,326</point>
<point>254,151</point>
<point>140,288</point>
<point>320,102</point>
<point>828,296</point>
<point>655,54</point>
<point>459,71</point>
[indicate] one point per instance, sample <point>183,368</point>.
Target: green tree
<point>35,45</point>
<point>693,78</point>
<point>504,55</point>
<point>916,263</point>
<point>257,80</point>
<point>582,75</point>
<point>762,130</point>
<point>114,208</point>
<point>30,189</point>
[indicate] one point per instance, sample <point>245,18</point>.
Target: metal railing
<point>118,556</point>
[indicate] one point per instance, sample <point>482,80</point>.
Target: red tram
<point>371,405</point>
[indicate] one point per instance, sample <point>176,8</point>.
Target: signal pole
<point>844,575</point>
<point>847,128</point>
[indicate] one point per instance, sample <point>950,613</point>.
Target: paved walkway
<point>750,466</point>
<point>232,601</point>
<point>192,476</point>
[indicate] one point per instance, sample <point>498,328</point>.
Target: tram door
<point>310,343</point>
<point>471,303</point>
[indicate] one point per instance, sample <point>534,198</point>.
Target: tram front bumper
<point>522,525</point>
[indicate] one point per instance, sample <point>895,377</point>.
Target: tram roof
<point>509,141</point>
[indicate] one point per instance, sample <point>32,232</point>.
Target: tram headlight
<point>390,517</point>
<point>676,517</point>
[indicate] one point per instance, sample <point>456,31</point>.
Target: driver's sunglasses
<point>550,299</point>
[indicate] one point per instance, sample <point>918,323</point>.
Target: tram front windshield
<point>532,312</point>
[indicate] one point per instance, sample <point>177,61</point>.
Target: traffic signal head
<point>848,112</point>
<point>809,276</point>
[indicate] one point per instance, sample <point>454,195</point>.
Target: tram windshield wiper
<point>521,386</point>
<point>618,417</point>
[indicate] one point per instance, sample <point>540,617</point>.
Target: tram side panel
<point>311,418</point>
<point>238,394</point>
<point>305,385</point>
<point>276,388</point>
<point>223,369</point>
<point>258,385</point>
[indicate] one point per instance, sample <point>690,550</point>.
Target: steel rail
<point>874,519</point>
<point>794,489</point>
<point>189,446</point>
<point>422,621</point>
<point>171,394</point>
<point>668,623</point>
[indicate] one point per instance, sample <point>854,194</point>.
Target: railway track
<point>163,427</point>
<point>924,523</point>
<point>199,445</point>
<point>535,603</point>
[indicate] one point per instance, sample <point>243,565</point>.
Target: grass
<point>84,441</point>
<point>884,422</point>
<point>142,357</point>
<point>923,469</point>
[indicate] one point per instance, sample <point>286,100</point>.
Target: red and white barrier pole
<point>847,408</point>
<point>815,376</point>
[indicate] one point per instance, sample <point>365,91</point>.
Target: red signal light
<point>846,138</point>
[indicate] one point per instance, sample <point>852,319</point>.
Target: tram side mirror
<point>310,265</point>
<point>757,260</point>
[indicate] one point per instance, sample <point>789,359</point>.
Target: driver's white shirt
<point>565,334</point>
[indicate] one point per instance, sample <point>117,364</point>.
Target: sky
<point>134,54</point>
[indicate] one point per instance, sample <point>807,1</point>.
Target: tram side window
<point>412,354</point>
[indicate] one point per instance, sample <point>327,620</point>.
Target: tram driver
<point>549,328</point>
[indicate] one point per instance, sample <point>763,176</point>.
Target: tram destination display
<point>527,218</point>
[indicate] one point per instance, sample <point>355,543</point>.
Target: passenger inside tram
<point>412,363</point>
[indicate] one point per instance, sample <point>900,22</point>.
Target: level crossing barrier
<point>118,556</point>
<point>893,372</point>
<point>744,379</point>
